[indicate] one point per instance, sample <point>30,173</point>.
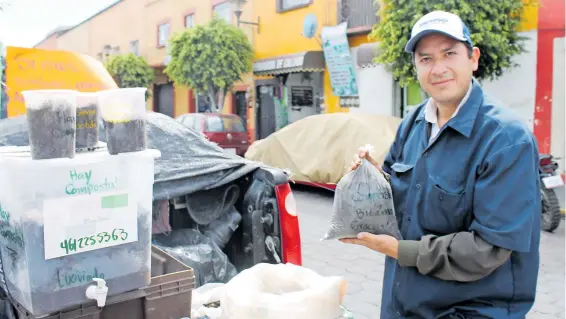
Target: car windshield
<point>224,124</point>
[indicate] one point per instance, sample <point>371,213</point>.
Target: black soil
<point>52,130</point>
<point>124,137</point>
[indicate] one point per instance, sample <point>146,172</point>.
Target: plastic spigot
<point>98,292</point>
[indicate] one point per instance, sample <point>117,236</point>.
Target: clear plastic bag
<point>282,291</point>
<point>363,202</point>
<point>209,263</point>
<point>205,302</point>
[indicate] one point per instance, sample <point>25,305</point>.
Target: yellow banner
<point>36,69</point>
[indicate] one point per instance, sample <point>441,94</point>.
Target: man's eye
<point>450,53</point>
<point>424,60</point>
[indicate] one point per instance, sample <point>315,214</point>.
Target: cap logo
<point>437,20</point>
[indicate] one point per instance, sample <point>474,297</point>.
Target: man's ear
<point>476,57</point>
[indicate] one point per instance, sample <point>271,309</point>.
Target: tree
<point>129,70</point>
<point>493,25</point>
<point>210,59</point>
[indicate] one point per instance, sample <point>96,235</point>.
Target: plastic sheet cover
<point>327,144</point>
<point>188,163</point>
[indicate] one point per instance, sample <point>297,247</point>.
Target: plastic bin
<point>66,221</point>
<point>168,296</point>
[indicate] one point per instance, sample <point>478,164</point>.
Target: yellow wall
<point>281,33</point>
<point>530,16</point>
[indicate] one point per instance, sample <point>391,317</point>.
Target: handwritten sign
<point>82,223</point>
<point>74,278</point>
<point>37,69</point>
<point>339,60</point>
<point>80,182</point>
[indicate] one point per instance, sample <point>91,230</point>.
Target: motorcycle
<point>551,216</point>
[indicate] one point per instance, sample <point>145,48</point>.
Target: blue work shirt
<point>480,174</point>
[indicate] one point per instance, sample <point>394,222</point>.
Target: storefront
<point>287,89</point>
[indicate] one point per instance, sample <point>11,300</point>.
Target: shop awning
<point>366,54</point>
<point>309,61</point>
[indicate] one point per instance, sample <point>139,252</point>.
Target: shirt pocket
<point>444,211</point>
<point>400,182</point>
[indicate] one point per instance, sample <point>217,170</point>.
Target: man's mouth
<point>441,82</point>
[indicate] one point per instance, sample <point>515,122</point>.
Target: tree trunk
<point>221,96</point>
<point>212,97</point>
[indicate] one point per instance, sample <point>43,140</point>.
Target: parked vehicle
<point>226,130</point>
<point>327,142</point>
<point>551,216</point>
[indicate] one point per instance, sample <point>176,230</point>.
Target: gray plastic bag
<point>363,202</point>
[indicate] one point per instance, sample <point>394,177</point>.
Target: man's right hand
<point>363,153</point>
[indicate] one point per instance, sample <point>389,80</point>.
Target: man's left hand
<point>384,244</point>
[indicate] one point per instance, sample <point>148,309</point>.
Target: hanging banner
<point>339,60</point>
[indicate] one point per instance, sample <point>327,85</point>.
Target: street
<point>363,269</point>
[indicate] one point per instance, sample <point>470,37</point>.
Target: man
<point>463,170</point>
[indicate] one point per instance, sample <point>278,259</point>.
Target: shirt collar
<point>431,110</point>
<point>468,111</point>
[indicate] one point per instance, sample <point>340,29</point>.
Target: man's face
<point>444,67</point>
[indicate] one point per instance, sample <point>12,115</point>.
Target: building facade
<point>143,27</point>
<point>291,77</point>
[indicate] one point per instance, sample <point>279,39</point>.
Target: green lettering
<point>70,190</point>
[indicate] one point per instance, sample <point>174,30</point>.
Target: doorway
<point>240,106</point>
<point>265,113</point>
<point>164,100</point>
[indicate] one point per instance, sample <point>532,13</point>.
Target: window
<point>188,121</point>
<point>163,34</point>
<point>202,103</point>
<point>224,11</point>
<point>189,20</point>
<point>286,5</point>
<point>214,124</point>
<point>302,96</point>
<point>135,47</point>
<point>233,124</point>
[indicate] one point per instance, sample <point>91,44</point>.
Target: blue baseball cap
<point>441,22</point>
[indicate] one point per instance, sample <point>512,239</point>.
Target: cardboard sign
<point>37,69</point>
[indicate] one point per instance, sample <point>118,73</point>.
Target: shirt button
<point>418,186</point>
<point>397,284</point>
<point>425,154</point>
<point>409,218</point>
<point>440,197</point>
<point>398,314</point>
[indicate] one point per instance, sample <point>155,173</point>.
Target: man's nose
<point>438,68</point>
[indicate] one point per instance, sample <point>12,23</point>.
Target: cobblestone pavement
<point>363,269</point>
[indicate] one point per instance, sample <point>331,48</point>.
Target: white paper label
<point>553,181</point>
<point>82,223</point>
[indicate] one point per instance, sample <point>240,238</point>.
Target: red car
<point>226,130</point>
